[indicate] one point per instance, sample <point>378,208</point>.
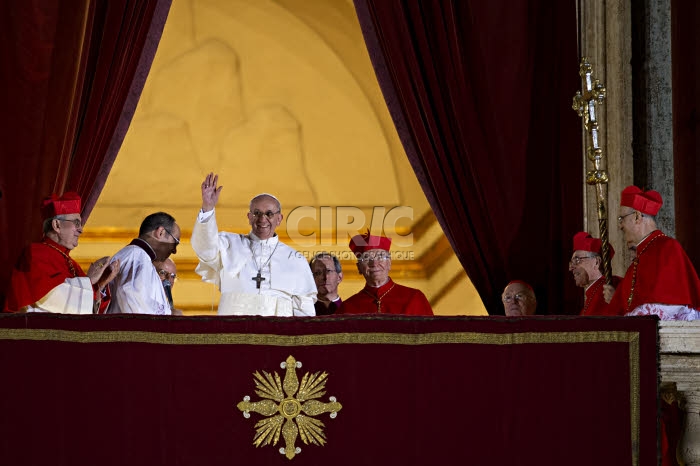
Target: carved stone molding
<point>680,364</point>
<point>679,337</point>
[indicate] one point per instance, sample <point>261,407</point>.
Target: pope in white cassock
<point>256,273</point>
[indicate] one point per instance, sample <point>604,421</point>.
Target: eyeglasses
<point>576,260</point>
<point>164,274</point>
<point>177,241</point>
<point>76,221</point>
<point>509,298</point>
<point>323,273</point>
<point>373,257</point>
<point>622,217</point>
<point>269,214</point>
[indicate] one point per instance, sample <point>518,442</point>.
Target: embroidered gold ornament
<point>289,406</point>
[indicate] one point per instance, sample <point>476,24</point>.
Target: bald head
<point>166,269</point>
<point>519,299</point>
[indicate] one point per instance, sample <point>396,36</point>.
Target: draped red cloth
<point>390,298</point>
<point>137,390</point>
<point>41,267</point>
<point>71,75</point>
<point>480,92</point>
<point>685,50</point>
<point>661,273</point>
<point>594,302</point>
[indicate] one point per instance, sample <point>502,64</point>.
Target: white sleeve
<point>73,296</point>
<point>204,216</point>
<point>136,293</point>
<point>205,242</point>
<point>204,238</point>
<point>303,302</point>
<point>304,306</point>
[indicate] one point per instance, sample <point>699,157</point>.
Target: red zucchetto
<point>54,205</point>
<point>367,242</point>
<point>585,242</point>
<point>647,202</point>
<point>526,285</point>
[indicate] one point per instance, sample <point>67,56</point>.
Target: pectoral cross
<point>258,279</point>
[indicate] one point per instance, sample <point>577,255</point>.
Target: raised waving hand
<point>210,192</point>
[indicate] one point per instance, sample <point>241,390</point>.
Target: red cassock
<point>594,302</point>
<point>41,267</point>
<point>661,274</point>
<point>390,298</point>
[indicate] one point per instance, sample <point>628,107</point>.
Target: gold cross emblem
<point>289,407</point>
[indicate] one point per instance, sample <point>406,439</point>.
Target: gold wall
<point>279,97</point>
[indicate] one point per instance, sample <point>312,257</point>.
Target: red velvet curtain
<point>481,93</point>
<point>71,75</point>
<point>685,49</point>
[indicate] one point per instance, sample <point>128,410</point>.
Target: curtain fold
<point>71,76</point>
<point>685,50</point>
<point>480,93</point>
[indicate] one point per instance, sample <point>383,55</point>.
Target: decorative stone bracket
<point>680,365</point>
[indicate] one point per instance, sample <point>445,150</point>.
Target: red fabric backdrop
<point>685,49</point>
<point>71,75</point>
<point>136,390</point>
<point>481,93</point>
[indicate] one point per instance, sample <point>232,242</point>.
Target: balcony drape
<point>71,75</point>
<point>480,93</point>
<point>142,390</point>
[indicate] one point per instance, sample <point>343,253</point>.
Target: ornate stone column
<point>680,364</point>
<point>653,104</point>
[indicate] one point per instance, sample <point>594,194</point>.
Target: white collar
<point>592,283</point>
<point>268,241</point>
<point>329,300</point>
<point>645,237</point>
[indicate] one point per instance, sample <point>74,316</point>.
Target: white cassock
<point>137,288</point>
<point>232,261</point>
<point>73,296</point>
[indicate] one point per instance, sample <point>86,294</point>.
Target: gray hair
<point>322,255</point>
<point>48,225</point>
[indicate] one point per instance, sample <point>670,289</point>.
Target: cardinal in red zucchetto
<point>47,279</point>
<point>661,279</point>
<point>381,294</point>
<point>586,267</point>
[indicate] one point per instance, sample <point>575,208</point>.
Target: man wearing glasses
<point>47,279</point>
<point>519,299</point>
<point>167,271</point>
<point>256,273</point>
<point>585,265</point>
<point>137,289</point>
<point>661,279</point>
<point>328,274</point>
<point>381,295</point>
